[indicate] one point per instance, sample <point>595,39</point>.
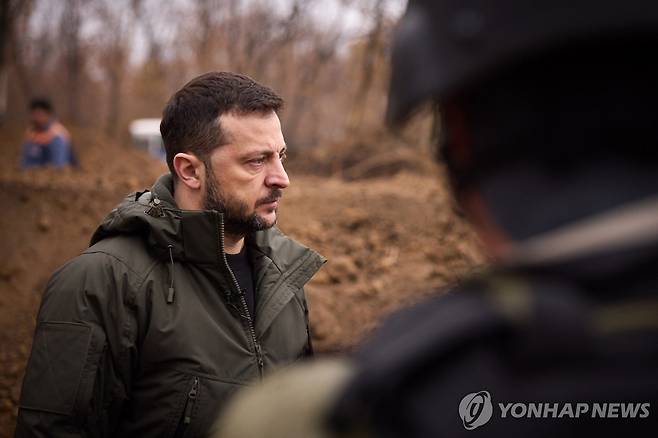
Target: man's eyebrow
<point>263,153</point>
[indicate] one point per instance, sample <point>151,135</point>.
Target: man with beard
<point>188,291</point>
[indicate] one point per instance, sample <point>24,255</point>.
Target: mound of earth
<point>373,154</point>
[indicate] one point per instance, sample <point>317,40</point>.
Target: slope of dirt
<point>389,241</point>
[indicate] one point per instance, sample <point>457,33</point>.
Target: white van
<point>145,134</point>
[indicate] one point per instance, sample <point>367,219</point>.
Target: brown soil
<point>390,240</point>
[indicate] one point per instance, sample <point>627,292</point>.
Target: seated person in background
<point>46,140</point>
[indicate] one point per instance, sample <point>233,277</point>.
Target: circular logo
<point>475,409</point>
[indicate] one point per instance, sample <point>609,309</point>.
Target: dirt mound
<point>369,155</point>
<point>389,242</point>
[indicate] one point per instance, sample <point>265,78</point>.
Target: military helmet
<point>443,46</point>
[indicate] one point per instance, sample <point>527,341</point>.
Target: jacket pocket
<point>199,404</point>
<point>62,368</point>
<point>189,408</point>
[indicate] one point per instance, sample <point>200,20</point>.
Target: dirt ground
<point>390,240</point>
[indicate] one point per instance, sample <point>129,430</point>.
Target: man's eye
<point>283,156</point>
<point>257,161</point>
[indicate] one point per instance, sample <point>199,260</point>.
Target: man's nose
<point>277,176</point>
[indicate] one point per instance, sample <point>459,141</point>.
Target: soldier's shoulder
<point>110,259</point>
<point>439,322</point>
<point>129,251</point>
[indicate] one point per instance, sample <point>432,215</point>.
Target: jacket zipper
<point>251,331</point>
<point>189,407</point>
<point>191,399</point>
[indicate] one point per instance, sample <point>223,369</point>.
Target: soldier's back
<point>565,351</point>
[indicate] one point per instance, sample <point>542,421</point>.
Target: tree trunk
<point>5,32</point>
<point>112,124</point>
<point>73,59</point>
<point>367,70</point>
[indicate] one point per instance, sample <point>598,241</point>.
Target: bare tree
<point>233,33</point>
<point>5,31</point>
<point>208,14</point>
<point>160,22</point>
<point>11,11</point>
<point>140,51</point>
<point>368,54</point>
<point>114,41</point>
<point>70,26</point>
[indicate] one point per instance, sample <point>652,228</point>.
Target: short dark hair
<point>42,103</point>
<point>190,120</point>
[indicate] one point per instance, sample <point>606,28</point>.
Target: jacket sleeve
<point>78,373</point>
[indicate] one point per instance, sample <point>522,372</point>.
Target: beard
<point>239,218</point>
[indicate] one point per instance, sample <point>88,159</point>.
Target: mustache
<point>275,195</point>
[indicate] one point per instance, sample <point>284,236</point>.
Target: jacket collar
<point>193,236</point>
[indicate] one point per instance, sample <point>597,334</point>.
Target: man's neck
<point>233,244</point>
<point>184,199</point>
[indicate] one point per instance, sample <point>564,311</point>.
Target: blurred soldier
<point>47,142</point>
<point>550,128</point>
<point>188,291</point>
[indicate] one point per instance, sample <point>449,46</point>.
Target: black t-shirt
<point>241,267</point>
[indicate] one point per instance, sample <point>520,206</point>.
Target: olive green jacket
<point>147,333</point>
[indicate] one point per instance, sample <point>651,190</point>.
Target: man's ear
<point>189,169</point>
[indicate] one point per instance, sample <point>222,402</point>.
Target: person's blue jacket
<point>50,146</point>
